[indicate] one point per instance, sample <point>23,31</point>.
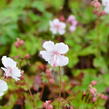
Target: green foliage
<point>88,53</point>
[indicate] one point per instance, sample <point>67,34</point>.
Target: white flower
<point>106,9</point>
<point>57,27</point>
<point>10,68</point>
<point>3,87</point>
<point>105,3</point>
<point>54,53</point>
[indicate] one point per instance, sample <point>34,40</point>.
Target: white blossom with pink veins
<point>57,27</point>
<point>10,68</point>
<point>105,3</point>
<point>3,87</point>
<point>54,53</point>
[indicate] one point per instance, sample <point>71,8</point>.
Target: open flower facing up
<point>10,68</point>
<point>57,27</point>
<point>54,53</point>
<point>105,3</point>
<point>3,87</point>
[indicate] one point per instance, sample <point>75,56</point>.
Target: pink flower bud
<point>102,13</point>
<point>104,97</point>
<point>27,56</point>
<point>93,83</point>
<point>51,81</point>
<point>94,99</point>
<point>93,91</point>
<point>19,43</point>
<point>62,18</point>
<point>96,4</point>
<point>48,73</point>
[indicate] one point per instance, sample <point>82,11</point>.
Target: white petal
<point>53,61</point>
<point>62,60</point>
<point>61,31</point>
<point>46,55</point>
<point>3,87</point>
<point>106,9</point>
<point>63,25</point>
<point>59,61</point>
<point>56,21</point>
<point>1,93</point>
<point>61,48</point>
<point>48,45</point>
<point>105,2</point>
<point>53,30</point>
<point>8,62</point>
<point>16,74</point>
<point>49,57</point>
<point>72,28</point>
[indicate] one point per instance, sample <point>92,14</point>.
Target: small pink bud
<point>102,13</point>
<point>93,83</point>
<point>42,67</point>
<point>16,57</point>
<point>94,99</point>
<point>92,91</point>
<point>96,4</point>
<point>27,56</point>
<point>48,72</point>
<point>19,43</point>
<point>62,18</point>
<point>104,97</point>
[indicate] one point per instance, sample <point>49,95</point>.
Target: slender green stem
<point>60,85</point>
<point>60,81</point>
<point>32,97</point>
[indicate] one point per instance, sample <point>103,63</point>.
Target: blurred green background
<point>29,21</point>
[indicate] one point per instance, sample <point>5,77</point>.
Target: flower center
<point>56,53</point>
<point>57,26</point>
